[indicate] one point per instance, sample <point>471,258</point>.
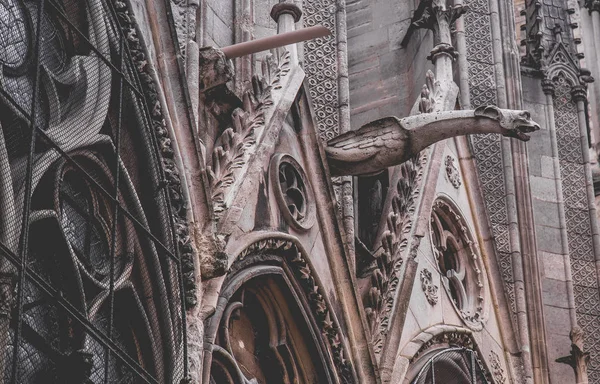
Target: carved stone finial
<point>286,8</point>
<point>578,360</point>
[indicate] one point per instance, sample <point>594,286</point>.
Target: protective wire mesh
<point>452,366</point>
<point>90,276</point>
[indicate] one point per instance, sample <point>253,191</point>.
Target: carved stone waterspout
<point>391,141</point>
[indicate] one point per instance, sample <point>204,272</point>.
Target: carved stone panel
<point>452,172</point>
<point>496,368</point>
<point>429,289</point>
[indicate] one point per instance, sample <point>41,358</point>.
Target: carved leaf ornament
<point>233,146</point>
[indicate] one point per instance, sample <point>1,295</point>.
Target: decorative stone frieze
<point>172,179</point>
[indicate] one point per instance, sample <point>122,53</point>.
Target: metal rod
<point>276,41</point>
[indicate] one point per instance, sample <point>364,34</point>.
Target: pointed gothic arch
<point>272,300</point>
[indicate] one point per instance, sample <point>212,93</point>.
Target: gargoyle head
<point>514,123</point>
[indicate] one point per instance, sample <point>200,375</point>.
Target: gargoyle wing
<point>365,142</point>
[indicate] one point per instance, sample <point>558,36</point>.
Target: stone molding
<point>285,8</point>
<point>172,182</point>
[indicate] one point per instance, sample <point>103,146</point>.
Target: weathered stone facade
<point>407,199</point>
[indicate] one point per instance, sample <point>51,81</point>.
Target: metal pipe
<point>276,41</point>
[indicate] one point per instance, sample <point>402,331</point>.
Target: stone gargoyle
<point>391,141</point>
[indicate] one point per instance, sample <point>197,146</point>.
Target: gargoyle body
<point>391,141</point>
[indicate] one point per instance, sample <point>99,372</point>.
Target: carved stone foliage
<point>429,289</point>
<point>428,93</point>
<point>452,172</point>
<point>457,254</point>
<point>384,278</point>
<point>328,325</point>
<point>579,234</point>
<point>172,179</point>
<point>496,368</point>
<point>236,143</point>
<point>293,192</point>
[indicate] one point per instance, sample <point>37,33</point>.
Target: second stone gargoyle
<point>391,141</point>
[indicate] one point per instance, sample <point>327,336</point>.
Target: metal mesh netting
<point>452,366</point>
<point>90,276</point>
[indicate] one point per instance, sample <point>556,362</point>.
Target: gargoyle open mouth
<point>513,123</point>
<point>521,128</point>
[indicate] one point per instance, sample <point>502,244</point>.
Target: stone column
<point>593,7</point>
<point>443,53</point>
<point>286,14</point>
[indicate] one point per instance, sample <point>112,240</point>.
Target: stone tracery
<point>459,263</point>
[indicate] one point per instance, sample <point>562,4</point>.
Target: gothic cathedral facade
<point>299,191</point>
